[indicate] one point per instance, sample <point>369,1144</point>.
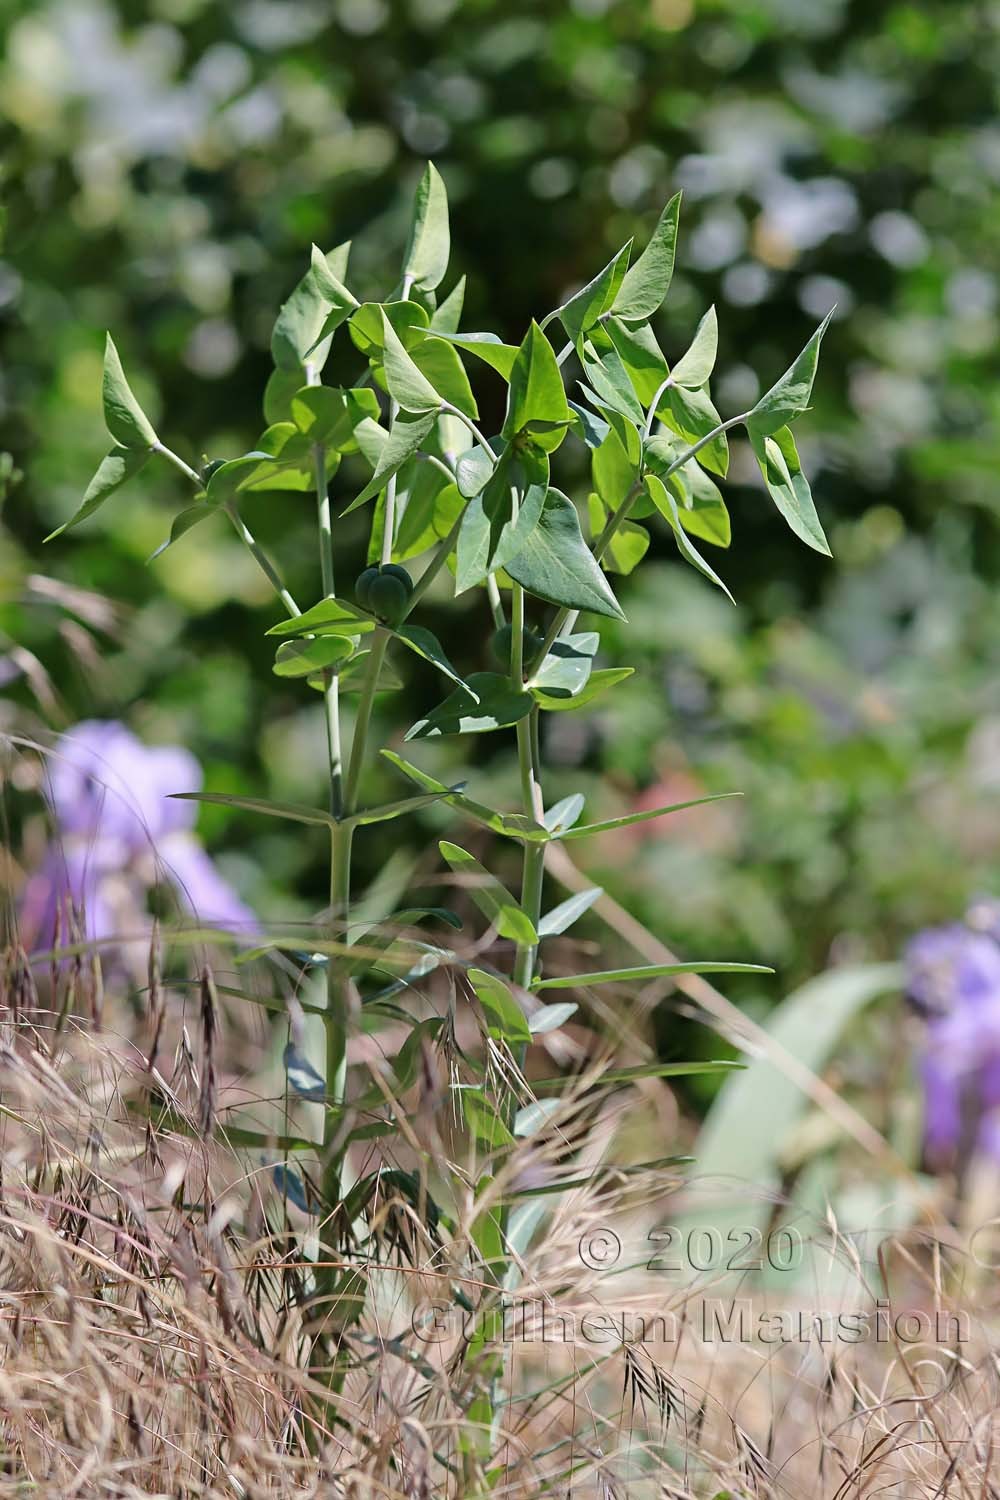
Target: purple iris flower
<point>953,979</point>
<point>119,835</point>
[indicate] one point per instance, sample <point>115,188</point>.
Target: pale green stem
<point>242,530</point>
<point>389,513</point>
<point>470,424</point>
<point>496,603</point>
<point>376,656</point>
<point>434,567</point>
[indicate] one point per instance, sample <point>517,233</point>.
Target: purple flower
<point>953,979</point>
<point>120,835</point>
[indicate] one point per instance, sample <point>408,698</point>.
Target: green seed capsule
<point>503,640</point>
<point>393,570</point>
<point>388,597</point>
<point>362,587</point>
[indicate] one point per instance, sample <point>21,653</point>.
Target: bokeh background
<point>167,165</point>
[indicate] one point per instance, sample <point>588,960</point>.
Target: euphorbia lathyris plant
<point>447,495</point>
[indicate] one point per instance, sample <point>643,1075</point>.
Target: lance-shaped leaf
<point>701,507</point>
<point>647,283</point>
<point>486,346</point>
<point>291,1186</point>
<point>390,810</point>
<point>564,813</point>
<point>778,458</point>
<point>114,470</point>
<point>588,426</point>
<point>789,396</point>
<point>405,437</point>
<point>295,812</point>
<point>448,314</point>
<point>232,476</point>
<point>426,644</point>
<point>123,416</point>
<point>550,1017</point>
<point>691,414</point>
<point>340,300</point>
<point>567,912</point>
<point>408,385</point>
<point>487,701</point>
<point>297,337</point>
<point>182,523</point>
<point>425,259</point>
<point>492,898</point>
<point>558,566</point>
<point>438,362</point>
<point>328,617</point>
<point>695,367</point>
<point>507,1018</point>
<point>639,353</point>
<point>302,658</point>
<point>579,314</point>
<point>513,825</point>
<point>643,973</point>
<point>598,683</point>
<point>536,400</point>
<point>667,506</point>
<point>535,1116</point>
<point>627,547</point>
<point>615,467</point>
<point>585,830</point>
<point>611,386</point>
<point>472,472</point>
<point>647,1070</point>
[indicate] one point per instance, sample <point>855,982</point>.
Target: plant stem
<point>376,656</point>
<point>470,424</point>
<point>242,530</point>
<point>434,567</point>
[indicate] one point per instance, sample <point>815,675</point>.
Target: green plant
<point>486,508</point>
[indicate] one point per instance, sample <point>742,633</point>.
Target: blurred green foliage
<point>166,166</point>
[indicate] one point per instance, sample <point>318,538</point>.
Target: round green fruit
<point>362,587</point>
<point>388,597</point>
<point>393,570</point>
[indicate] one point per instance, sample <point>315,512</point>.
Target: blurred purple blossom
<point>953,979</point>
<point>118,835</point>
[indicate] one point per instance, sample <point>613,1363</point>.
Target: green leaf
<point>695,367</point>
<point>408,385</point>
<point>591,428</point>
<point>439,363</point>
<point>306,1081</point>
<point>295,812</point>
<point>408,321</point>
<point>614,468</point>
<point>627,547</point>
<point>498,1002</point>
<point>425,259</point>
<point>114,470</point>
<point>567,665</point>
<point>611,385</point>
<point>297,337</point>
<point>644,972</point>
<point>430,507</point>
<point>486,702</point>
<point>424,643</point>
<point>448,314</point>
<point>328,271</point>
<point>650,1070</point>
<point>788,487</point>
<point>667,506</point>
<point>353,676</point>
<point>323,414</point>
<point>123,416</point>
<point>598,683</point>
<point>647,283</point>
<point>564,813</point>
<point>486,346</point>
<point>183,522</point>
<point>492,898</point>
<point>585,307</point>
<point>483,1120</point>
<point>627,819</point>
<point>513,825</point>
<point>230,477</point>
<point>328,617</point>
<point>405,437</point>
<point>300,658</point>
<point>691,414</point>
<point>558,566</point>
<point>702,509</point>
<point>390,810</point>
<point>567,912</point>
<point>640,355</point>
<point>472,472</point>
<point>491,533</point>
<point>789,396</point>
<point>550,1017</point>
<point>536,391</point>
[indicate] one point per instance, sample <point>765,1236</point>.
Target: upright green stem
<point>376,656</point>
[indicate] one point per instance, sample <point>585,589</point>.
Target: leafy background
<point>167,165</point>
